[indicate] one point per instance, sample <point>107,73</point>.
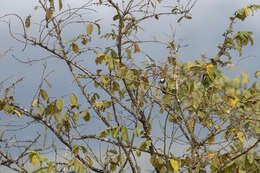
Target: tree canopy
<point>129,111</point>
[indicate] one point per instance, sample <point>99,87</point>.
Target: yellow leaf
<point>35,102</point>
<point>172,45</point>
<point>211,140</point>
<point>210,156</point>
<point>209,66</point>
<point>60,4</point>
<point>75,48</point>
<point>90,161</point>
<point>99,104</point>
<point>245,77</point>
<point>35,159</point>
<point>232,102</point>
<point>240,136</point>
<point>246,10</point>
<point>89,28</point>
<point>109,116</point>
<point>241,171</point>
<point>136,48</point>
<point>18,113</point>
<point>174,165</point>
<point>48,14</point>
<point>28,21</point>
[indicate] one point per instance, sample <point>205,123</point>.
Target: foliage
<point>215,119</point>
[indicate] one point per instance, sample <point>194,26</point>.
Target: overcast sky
<point>202,34</point>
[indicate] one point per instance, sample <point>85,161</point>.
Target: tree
<point>140,111</point>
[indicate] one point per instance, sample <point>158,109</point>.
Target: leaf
<point>172,45</point>
<point>240,136</point>
<point>167,99</point>
<point>43,94</point>
<point>129,53</point>
<point>75,150</point>
<point>174,165</point>
<point>19,115</point>
<point>90,161</point>
<point>256,74</point>
<point>33,157</point>
<point>136,48</point>
<point>39,110</point>
<point>73,99</point>
<point>211,139</point>
<point>59,103</point>
<point>115,17</point>
<point>35,102</point>
<point>109,116</point>
<point>89,29</point>
<point>210,156</point>
<point>99,104</point>
<point>124,134</point>
<point>75,48</point>
<point>188,17</point>
<point>138,153</point>
<point>246,10</point>
<point>232,102</point>
<point>245,77</point>
<point>180,19</point>
<point>48,83</point>
<point>28,21</point>
<point>50,167</point>
<point>48,14</point>
<point>60,4</point>
<point>115,132</point>
<point>86,115</point>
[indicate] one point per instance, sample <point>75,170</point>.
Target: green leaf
<point>73,100</point>
<point>39,110</point>
<point>84,150</point>
<point>115,132</point>
<point>75,150</point>
<point>59,103</point>
<point>137,131</point>
<point>89,29</point>
<point>104,133</point>
<point>43,94</point>
<point>124,133</point>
